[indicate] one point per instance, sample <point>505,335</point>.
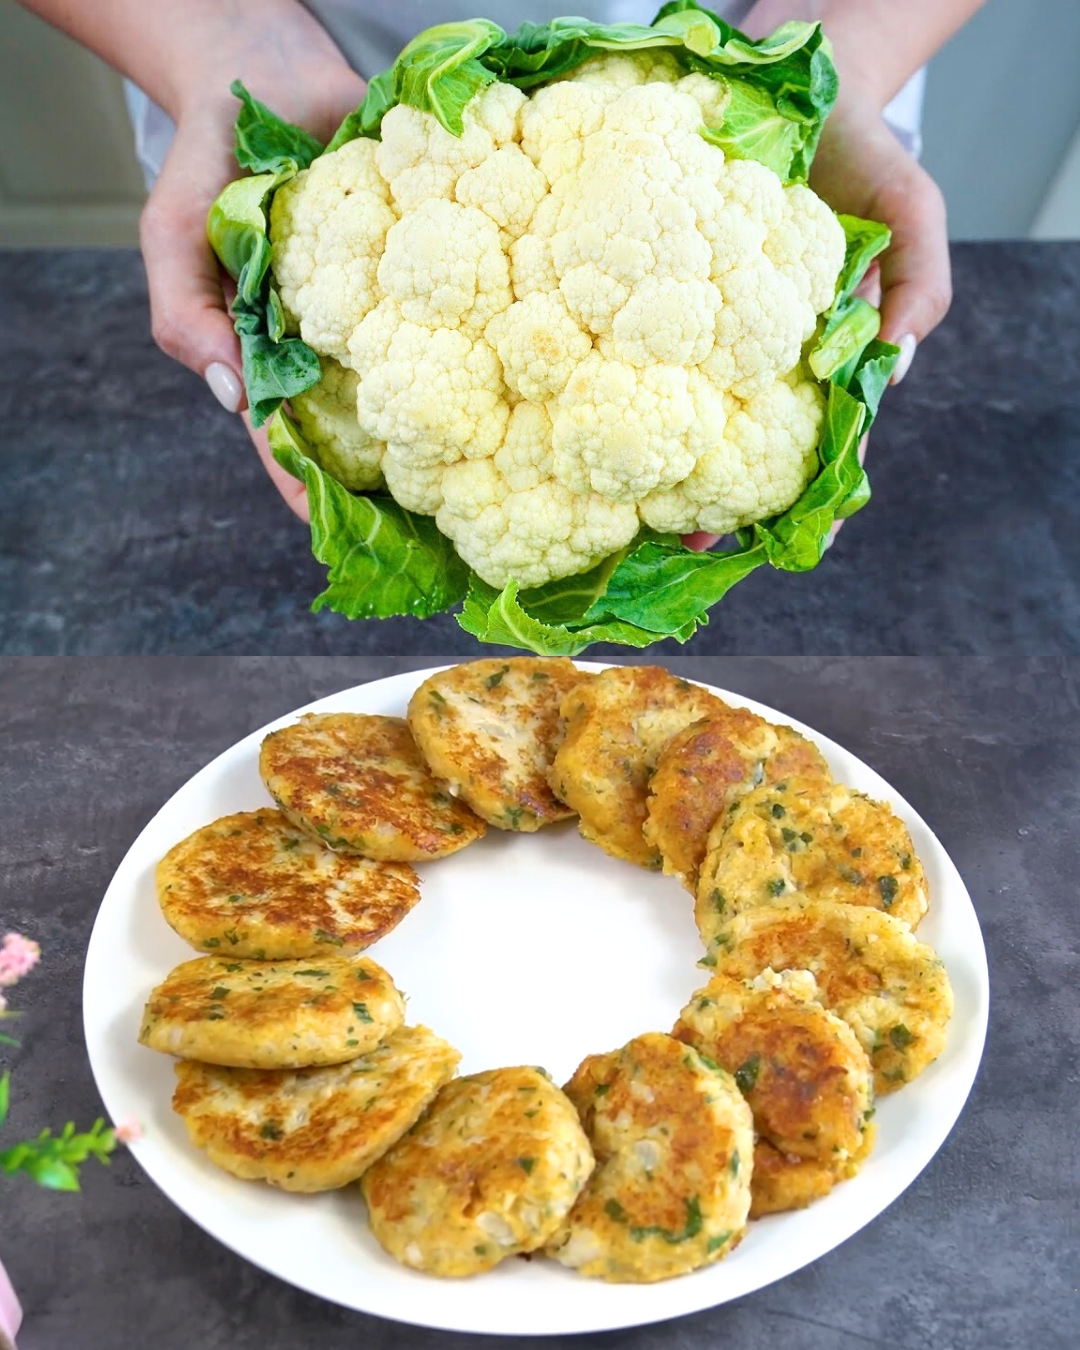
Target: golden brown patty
<point>312,1129</point>
<point>360,785</point>
<point>272,1014</point>
<point>255,885</point>
<point>891,989</point>
<point>806,1077</point>
<point>617,724</point>
<point>703,770</point>
<point>673,1140</point>
<point>783,1181</point>
<point>490,729</point>
<point>822,841</point>
<point>490,1171</point>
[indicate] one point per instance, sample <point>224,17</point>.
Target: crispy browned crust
<point>618,722</point>
<point>272,1014</point>
<point>870,970</point>
<point>814,839</point>
<point>312,1129</point>
<point>491,728</point>
<point>255,885</point>
<point>359,783</point>
<point>705,769</point>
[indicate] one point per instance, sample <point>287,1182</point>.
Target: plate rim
<point>961,1085</point>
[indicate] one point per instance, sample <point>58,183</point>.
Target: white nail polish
<point>224,385</point>
<point>907,353</point>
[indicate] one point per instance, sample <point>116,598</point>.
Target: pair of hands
<point>860,169</point>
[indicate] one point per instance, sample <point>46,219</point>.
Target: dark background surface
<point>134,516</point>
<point>983,1250</point>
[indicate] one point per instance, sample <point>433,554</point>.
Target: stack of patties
<point>296,1067</point>
<point>806,894</point>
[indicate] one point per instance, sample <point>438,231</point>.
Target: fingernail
<point>225,385</point>
<point>907,353</point>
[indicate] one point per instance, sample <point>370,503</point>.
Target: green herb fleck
<point>715,1243</point>
<point>856,852</point>
<point>232,935</point>
<point>615,1211</point>
<point>513,815</point>
<point>315,974</point>
<point>362,974</point>
<point>746,1075</point>
<point>219,991</point>
<point>212,942</point>
<point>888,886</point>
<point>900,1036</point>
<point>540,675</point>
<point>352,1042</point>
<point>733,1165</point>
<point>233,967</point>
<point>271,1130</point>
<point>455,828</point>
<point>717,897</point>
<point>360,1009</point>
<point>234,899</point>
<point>778,811</point>
<point>601,1089</point>
<point>709,959</point>
<point>216,1013</point>
<point>776,886</point>
<point>850,875</point>
<point>691,1230</point>
<point>905,861</point>
<point>321,935</point>
<point>527,1165</point>
<point>291,843</point>
<point>436,697</point>
<point>493,680</point>
<point>806,837</point>
<point>480,1250</point>
<point>788,834</point>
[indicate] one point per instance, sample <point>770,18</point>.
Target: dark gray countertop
<point>980,1253</point>
<point>134,516</point>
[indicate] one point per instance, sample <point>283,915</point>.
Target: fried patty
<point>822,841</point>
<point>673,1140</point>
<point>272,1014</point>
<point>806,1077</point>
<point>891,989</point>
<point>255,885</point>
<point>618,722</point>
<point>783,1181</point>
<point>707,767</point>
<point>490,1171</point>
<point>360,784</point>
<point>313,1129</point>
<point>490,729</point>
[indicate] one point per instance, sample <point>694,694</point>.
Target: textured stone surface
<point>134,516</point>
<point>979,1254</point>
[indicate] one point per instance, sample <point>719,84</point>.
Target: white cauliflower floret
<point>621,431</point>
<point>420,159</point>
<point>327,226</point>
<point>758,464</point>
<point>507,186</point>
<point>509,518</point>
<point>445,266</point>
<point>577,316</point>
<point>437,396</point>
<point>539,345</point>
<point>326,415</point>
<point>808,246</point>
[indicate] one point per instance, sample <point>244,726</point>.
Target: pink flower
<point>18,956</point>
<point>128,1131</point>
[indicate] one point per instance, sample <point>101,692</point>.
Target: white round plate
<point>525,949</point>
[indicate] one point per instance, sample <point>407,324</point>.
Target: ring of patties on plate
<point>295,1066</point>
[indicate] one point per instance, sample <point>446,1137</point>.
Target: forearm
<point>168,46</point>
<point>878,44</point>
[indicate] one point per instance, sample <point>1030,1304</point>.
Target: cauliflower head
<point>577,316</point>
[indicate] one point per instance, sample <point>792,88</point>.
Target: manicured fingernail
<point>224,385</point>
<point>907,353</point>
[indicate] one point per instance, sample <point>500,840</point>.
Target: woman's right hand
<point>289,63</point>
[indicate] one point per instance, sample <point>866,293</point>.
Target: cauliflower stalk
<point>568,297</point>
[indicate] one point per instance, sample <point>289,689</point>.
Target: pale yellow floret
<point>621,431</point>
<point>539,345</point>
<point>445,267</point>
<point>326,415</point>
<point>808,246</point>
<point>758,464</point>
<point>508,187</point>
<point>509,518</point>
<point>437,396</point>
<point>327,226</point>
